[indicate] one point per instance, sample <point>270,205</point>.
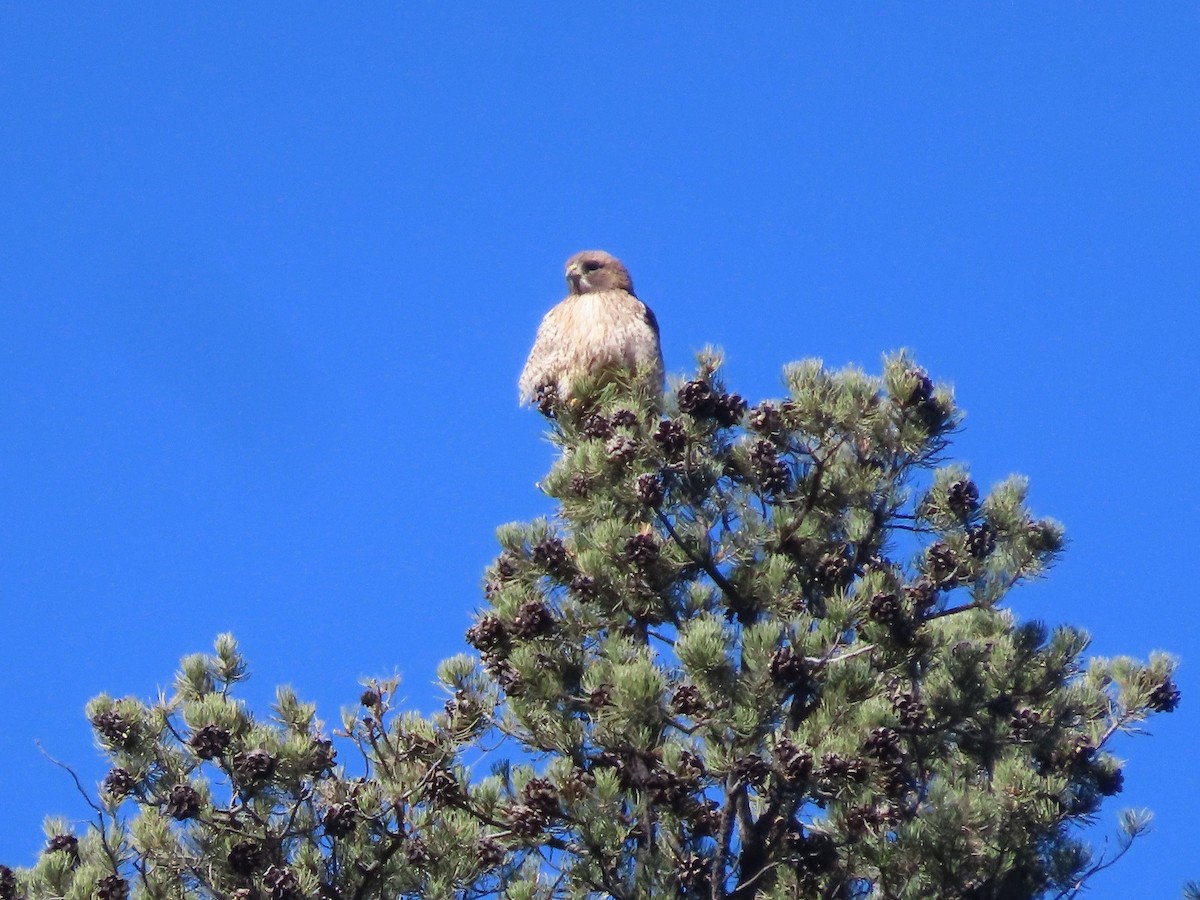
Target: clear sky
<point>267,279</point>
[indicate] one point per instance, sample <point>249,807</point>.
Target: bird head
<point>595,270</point>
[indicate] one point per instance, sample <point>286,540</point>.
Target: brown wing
<point>545,359</point>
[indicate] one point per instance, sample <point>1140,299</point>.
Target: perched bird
<point>600,326</point>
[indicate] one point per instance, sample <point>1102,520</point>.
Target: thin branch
<point>78,785</point>
<point>744,886</point>
<point>685,729</point>
<point>395,842</point>
<point>103,825</point>
<point>1101,864</point>
<point>953,610</point>
<point>733,787</point>
<point>703,562</point>
<point>662,637</point>
<point>830,660</point>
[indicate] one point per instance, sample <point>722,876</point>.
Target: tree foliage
<point>757,652</point>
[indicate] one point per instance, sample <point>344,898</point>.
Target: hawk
<point>600,325</point>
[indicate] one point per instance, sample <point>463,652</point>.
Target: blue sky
<point>267,280</point>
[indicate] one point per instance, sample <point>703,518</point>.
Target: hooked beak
<point>575,277</point>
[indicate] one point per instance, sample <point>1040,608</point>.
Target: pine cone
<point>580,784</point>
<point>921,390</point>
<point>551,555</point>
<point>773,473</point>
<point>545,398</point>
<point>1165,697</point>
<point>1073,754</point>
<point>835,767</point>
<point>691,767</point>
<point>650,490</point>
<point>1024,721</point>
<point>693,873</point>
<point>621,449</point>
<point>282,884</point>
<point>584,586</point>
<point>641,549</point>
<point>510,680</point>
<point>695,398</point>
<point>119,783</point>
<point>541,795</point>
<point>246,858</point>
<point>112,887</point>
<point>533,619</point>
<point>491,853</point>
<point>370,699</point>
<point>64,843</point>
<point>686,700</point>
<point>117,729</point>
<point>765,419</point>
<point>600,697</point>
<point>322,757</point>
<point>795,763</point>
<point>728,410</point>
<point>340,820</point>
<point>1044,537</point>
<point>416,852</point>
<point>816,853</point>
<point>834,571</point>
<point>624,418</point>
<point>209,741</point>
<point>506,566</point>
<point>981,541</point>
<point>885,608</point>
<point>862,819</point>
<point>705,818</point>
<point>910,711</point>
<point>183,802</point>
<point>525,821</point>
<point>8,883</point>
<point>596,426</point>
<point>254,766</point>
<point>941,565</point>
<point>671,437</point>
<point>442,787</point>
<point>884,745</point>
<point>752,769</point>
<point>921,596</point>
<point>664,788</point>
<point>962,497</point>
<point>486,634</point>
<point>788,667</point>
<point>580,484</point>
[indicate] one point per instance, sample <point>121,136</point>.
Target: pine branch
<point>705,563</point>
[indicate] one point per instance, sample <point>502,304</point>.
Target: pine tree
<point>757,652</point>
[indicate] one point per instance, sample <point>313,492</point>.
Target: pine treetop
<point>758,651</point>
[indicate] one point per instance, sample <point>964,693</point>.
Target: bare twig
<point>78,785</point>
<point>830,660</point>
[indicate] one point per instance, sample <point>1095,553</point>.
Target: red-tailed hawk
<point>600,325</point>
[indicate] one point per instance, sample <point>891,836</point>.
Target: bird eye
<point>591,265</point>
